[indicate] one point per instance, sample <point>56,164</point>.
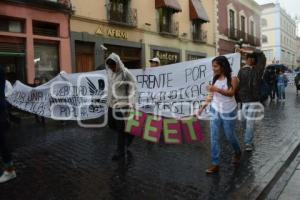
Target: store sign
<point>111,32</point>
<point>170,57</point>
<point>194,57</point>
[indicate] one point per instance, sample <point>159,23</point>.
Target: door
<point>85,56</point>
<point>84,62</point>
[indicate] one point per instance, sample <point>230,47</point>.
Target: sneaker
<point>6,176</point>
<point>213,169</point>
<point>249,147</point>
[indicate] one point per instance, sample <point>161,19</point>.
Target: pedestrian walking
<point>223,110</point>
<point>270,78</point>
<point>297,83</point>
<point>121,98</point>
<point>250,80</point>
<point>8,171</point>
<point>282,82</point>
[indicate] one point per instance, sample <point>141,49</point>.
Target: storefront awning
<point>11,54</point>
<point>197,11</point>
<point>173,4</point>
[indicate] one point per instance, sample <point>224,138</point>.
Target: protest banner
<point>172,91</point>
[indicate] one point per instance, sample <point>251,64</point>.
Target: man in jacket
<point>250,77</point>
<point>121,97</point>
<point>9,172</point>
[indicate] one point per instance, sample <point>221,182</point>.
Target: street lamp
<point>239,44</point>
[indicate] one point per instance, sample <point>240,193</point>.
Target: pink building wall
<point>30,14</point>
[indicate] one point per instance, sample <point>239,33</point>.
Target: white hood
<point>121,74</point>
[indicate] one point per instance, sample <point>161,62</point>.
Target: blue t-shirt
<point>281,79</point>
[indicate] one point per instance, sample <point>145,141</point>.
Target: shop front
<point>34,43</point>
<point>12,58</point>
<point>192,55</point>
<point>166,55</point>
<point>89,51</point>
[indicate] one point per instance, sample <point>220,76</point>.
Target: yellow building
<point>137,30</point>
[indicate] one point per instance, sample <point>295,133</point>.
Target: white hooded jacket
<point>122,85</point>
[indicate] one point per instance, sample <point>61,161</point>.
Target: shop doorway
<point>14,66</point>
<point>130,56</point>
<point>12,58</point>
<point>85,56</point>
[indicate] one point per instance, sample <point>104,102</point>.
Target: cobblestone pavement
<point>65,162</point>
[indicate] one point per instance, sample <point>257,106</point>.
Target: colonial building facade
<point>137,30</point>
<point>278,35</point>
<point>34,38</point>
<point>238,25</point>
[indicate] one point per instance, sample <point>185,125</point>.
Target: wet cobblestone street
<point>65,162</point>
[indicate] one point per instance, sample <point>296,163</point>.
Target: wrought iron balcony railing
<point>171,29</point>
<point>127,17</point>
<point>200,36</point>
<point>232,33</point>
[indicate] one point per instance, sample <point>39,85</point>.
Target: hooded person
<point>121,97</point>
<point>9,171</point>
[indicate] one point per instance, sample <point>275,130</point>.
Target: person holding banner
<point>224,111</point>
<point>121,98</point>
<point>154,62</point>
<point>9,171</point>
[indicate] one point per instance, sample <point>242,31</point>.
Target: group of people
<point>277,82</point>
<point>224,91</point>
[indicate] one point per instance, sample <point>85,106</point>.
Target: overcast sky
<point>291,6</point>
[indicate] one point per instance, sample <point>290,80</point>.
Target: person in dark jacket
<point>297,83</point>
<point>270,78</point>
<point>9,171</point>
<point>250,78</point>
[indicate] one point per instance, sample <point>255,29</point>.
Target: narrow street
<point>62,161</point>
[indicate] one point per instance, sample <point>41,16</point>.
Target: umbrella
<point>277,67</point>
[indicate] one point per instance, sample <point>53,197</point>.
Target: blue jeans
<point>281,91</point>
<point>226,121</point>
<point>250,114</point>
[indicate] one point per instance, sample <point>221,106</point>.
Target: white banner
<point>172,91</point>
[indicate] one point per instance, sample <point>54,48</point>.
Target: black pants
<point>118,125</point>
<point>4,147</point>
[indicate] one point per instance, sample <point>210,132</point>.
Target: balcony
<point>232,33</point>
<point>254,41</point>
<point>200,36</point>
<point>169,29</point>
<point>125,17</point>
<point>242,35</point>
<point>62,5</point>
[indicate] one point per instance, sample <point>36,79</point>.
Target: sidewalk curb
<point>271,172</point>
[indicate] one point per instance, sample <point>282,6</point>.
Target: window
<point>264,22</point>
<point>46,60</point>
<point>269,54</point>
<point>252,28</point>
<point>198,34</point>
<point>166,20</point>
<point>231,19</point>
<point>45,29</point>
<point>11,25</point>
<point>264,39</point>
<point>243,24</point>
